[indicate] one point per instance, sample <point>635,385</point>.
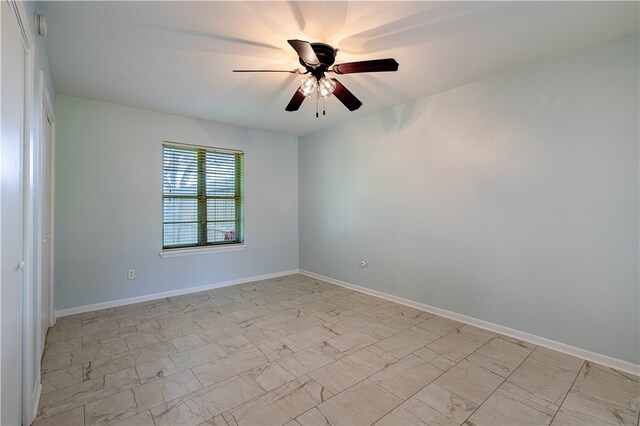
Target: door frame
<point>45,111</point>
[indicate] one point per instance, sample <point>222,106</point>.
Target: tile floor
<point>298,351</point>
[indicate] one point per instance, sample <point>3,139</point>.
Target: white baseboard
<point>36,400</point>
<point>162,295</point>
<point>521,335</point>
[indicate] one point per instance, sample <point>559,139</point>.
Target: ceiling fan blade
<point>346,97</point>
<point>295,101</point>
<point>375,65</point>
<point>305,52</point>
<point>290,72</point>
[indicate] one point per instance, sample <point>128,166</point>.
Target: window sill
<point>201,250</point>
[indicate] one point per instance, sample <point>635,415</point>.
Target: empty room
<point>320,213</point>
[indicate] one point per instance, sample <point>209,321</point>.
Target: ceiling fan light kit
<point>308,86</point>
<point>326,86</point>
<point>318,59</point>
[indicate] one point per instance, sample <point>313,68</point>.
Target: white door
<point>11,219</point>
<point>45,220</point>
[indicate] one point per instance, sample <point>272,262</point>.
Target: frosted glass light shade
<point>326,86</point>
<point>308,86</point>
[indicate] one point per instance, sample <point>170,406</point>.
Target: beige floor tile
<point>470,382</point>
<point>477,333</point>
<point>190,341</point>
<point>305,339</point>
<point>295,351</point>
<point>64,334</point>
<point>386,310</point>
<point>499,356</point>
<point>402,344</point>
<point>362,404</point>
<point>265,335</point>
<point>521,343</point>
<point>373,358</point>
<point>282,404</point>
<point>234,344</point>
<point>341,312</point>
<point>175,332</point>
<point>64,399</point>
<point>300,324</point>
<point>142,339</point>
<point>437,360</point>
<point>429,336</point>
<point>452,406</point>
<point>55,362</point>
<point>99,368</point>
<point>73,417</point>
<point>275,351</point>
<point>213,333</point>
<point>440,325</point>
<point>347,324</point>
<point>61,378</point>
<point>557,359</point>
<point>394,324</point>
<point>305,361</point>
<point>270,376</point>
<point>414,412</point>
<point>313,417</point>
<point>609,386</point>
<point>218,420</point>
<point>340,375</point>
<point>142,419</point>
<point>90,340</point>
<point>412,316</point>
<point>459,343</point>
<point>379,331</point>
<point>581,410</point>
<point>248,314</point>
<point>199,355</point>
<point>207,403</point>
<point>329,351</point>
<point>101,350</point>
<point>352,341</point>
<point>157,369</point>
<point>164,390</point>
<point>224,368</point>
<point>65,346</point>
<point>543,380</point>
<point>407,376</point>
<point>509,406</point>
<point>62,323</point>
<point>150,352</point>
<point>111,409</point>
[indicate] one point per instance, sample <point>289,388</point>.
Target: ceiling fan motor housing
<point>326,56</point>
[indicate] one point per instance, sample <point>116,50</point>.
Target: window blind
<point>202,196</point>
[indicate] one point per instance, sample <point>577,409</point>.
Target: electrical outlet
<point>364,265</point>
<point>131,274</point>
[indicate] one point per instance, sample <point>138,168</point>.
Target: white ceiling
<point>177,57</point>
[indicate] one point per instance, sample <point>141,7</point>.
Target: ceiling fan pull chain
<point>324,106</point>
<point>317,104</point>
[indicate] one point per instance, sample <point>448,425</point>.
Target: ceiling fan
<point>318,59</point>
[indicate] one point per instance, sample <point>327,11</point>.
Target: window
<point>202,203</point>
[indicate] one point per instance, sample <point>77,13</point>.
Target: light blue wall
<point>108,203</point>
<point>513,200</point>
